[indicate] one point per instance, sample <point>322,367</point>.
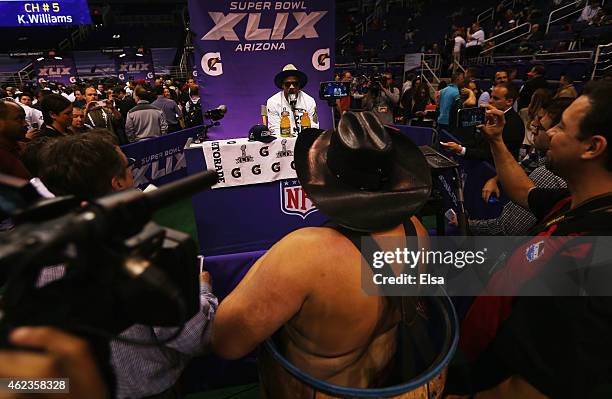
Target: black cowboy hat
<point>290,70</point>
<point>364,176</point>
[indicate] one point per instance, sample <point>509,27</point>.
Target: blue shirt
<point>447,98</point>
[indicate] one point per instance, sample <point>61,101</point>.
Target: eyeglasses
<point>289,84</point>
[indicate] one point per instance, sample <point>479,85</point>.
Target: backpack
<point>194,116</point>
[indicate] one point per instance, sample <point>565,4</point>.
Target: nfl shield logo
<point>294,200</point>
<point>534,251</point>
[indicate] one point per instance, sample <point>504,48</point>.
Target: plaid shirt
<point>145,371</point>
<point>515,220</point>
<point>532,161</point>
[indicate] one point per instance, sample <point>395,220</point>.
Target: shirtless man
<point>308,285</point>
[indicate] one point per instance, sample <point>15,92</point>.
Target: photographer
<point>89,166</point>
<point>382,97</point>
<point>99,114</point>
<point>502,98</point>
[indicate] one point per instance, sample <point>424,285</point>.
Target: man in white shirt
<point>291,100</point>
<point>501,76</point>
<point>34,118</point>
<point>589,12</point>
<point>459,44</point>
<point>475,40</point>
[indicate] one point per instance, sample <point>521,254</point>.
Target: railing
<point>458,65</point>
<point>434,61</point>
<point>506,3</point>
<point>26,73</point>
<point>10,79</point>
<point>184,62</point>
<point>567,55</point>
<point>519,35</point>
<point>425,67</point>
<point>18,78</point>
<point>486,15</point>
<point>559,10</point>
<point>602,56</point>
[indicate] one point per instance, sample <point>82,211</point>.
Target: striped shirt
<point>515,220</point>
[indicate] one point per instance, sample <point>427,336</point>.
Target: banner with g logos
<point>60,70</point>
<point>137,66</point>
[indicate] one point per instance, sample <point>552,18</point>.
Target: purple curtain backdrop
<point>241,46</point>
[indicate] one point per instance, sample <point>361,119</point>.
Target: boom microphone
<point>216,113</point>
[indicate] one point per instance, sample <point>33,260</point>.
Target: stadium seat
<point>554,70</point>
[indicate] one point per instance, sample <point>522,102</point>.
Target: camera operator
<point>382,97</point>
<point>90,165</point>
<point>100,114</point>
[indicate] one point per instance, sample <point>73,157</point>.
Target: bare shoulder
<point>310,246</point>
<point>319,238</point>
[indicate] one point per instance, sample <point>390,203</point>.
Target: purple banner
<point>258,215</point>
<point>140,67</point>
<point>56,70</point>
<point>160,160</point>
<point>241,46</point>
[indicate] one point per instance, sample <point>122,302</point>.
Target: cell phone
<point>201,262</point>
<point>493,199</point>
<point>334,90</point>
<point>450,215</point>
<point>470,117</point>
<point>101,103</point>
<point>35,125</point>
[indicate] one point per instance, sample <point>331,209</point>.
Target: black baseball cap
<point>261,133</point>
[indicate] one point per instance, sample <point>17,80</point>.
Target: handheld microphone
<point>292,100</point>
<point>216,113</point>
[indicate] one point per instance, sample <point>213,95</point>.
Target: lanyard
<point>104,116</point>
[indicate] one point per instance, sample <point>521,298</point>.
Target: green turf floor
<point>178,216</point>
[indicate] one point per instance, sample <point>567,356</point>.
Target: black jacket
<point>530,87</point>
<point>123,106</point>
<point>513,136</point>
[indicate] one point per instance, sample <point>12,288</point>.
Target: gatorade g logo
<point>121,77</point>
<point>211,64</point>
<point>150,75</point>
<point>321,60</point>
<point>72,79</point>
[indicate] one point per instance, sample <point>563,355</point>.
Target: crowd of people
<point>560,187</point>
<point>132,111</point>
<point>465,43</point>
